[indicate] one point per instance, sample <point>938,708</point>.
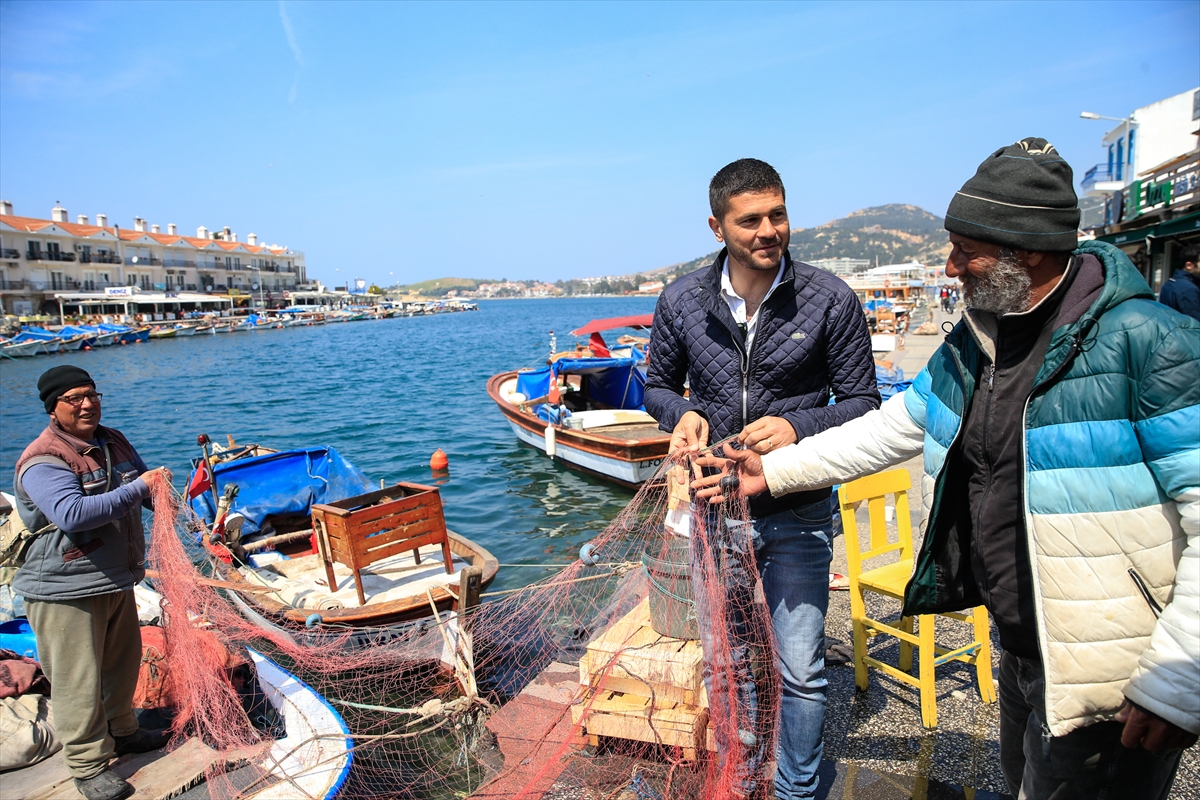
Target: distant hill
<point>439,286</point>
<point>892,234</point>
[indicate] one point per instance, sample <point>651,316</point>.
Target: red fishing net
<point>641,670</point>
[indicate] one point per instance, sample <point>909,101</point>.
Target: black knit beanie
<point>1022,197</point>
<point>57,381</point>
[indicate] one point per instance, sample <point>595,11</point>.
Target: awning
<point>639,321</point>
<point>1185,224</point>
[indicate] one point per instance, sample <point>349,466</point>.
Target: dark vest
<point>69,566</point>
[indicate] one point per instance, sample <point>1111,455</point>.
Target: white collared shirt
<point>737,304</point>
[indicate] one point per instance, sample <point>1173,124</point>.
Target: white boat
<point>26,349</point>
<point>74,342</point>
<point>590,408</point>
<point>163,333</point>
<point>186,330</point>
<point>314,758</point>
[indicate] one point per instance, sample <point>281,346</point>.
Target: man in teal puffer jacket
<point>1060,427</point>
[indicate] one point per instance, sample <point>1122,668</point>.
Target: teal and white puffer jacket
<point>1112,483</point>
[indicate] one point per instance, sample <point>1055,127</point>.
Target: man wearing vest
<point>1060,428</point>
<point>84,484</point>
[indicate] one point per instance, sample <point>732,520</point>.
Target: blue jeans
<point>1089,763</point>
<point>792,550</point>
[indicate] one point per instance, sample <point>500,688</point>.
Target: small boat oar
<point>216,584</point>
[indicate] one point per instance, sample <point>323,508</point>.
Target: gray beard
<point>1004,289</point>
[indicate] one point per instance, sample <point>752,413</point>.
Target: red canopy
<point>639,321</point>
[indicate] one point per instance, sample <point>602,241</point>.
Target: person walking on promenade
<point>1060,424</point>
<point>762,342</point>
<point>1182,291</point>
<point>84,484</point>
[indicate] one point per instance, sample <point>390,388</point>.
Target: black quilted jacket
<point>811,341</point>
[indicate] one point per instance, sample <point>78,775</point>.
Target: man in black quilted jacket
<point>763,343</point>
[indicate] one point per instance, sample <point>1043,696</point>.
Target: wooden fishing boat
<point>306,547</point>
<point>93,336</point>
<point>186,330</point>
<point>312,760</point>
<point>585,407</point>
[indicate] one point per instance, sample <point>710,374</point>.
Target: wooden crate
<point>631,654</point>
<point>630,716</point>
<point>641,685</point>
<point>359,531</point>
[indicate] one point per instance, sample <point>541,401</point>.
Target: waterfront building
<point>1149,183</point>
<point>43,261</point>
<point>842,267</point>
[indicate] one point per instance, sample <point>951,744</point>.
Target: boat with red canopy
<point>585,407</point>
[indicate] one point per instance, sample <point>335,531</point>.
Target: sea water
<point>385,393</point>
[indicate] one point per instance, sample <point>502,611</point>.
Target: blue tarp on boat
<point>615,382</point>
<point>288,482</point>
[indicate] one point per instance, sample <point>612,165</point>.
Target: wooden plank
<point>659,693</point>
<point>422,530</point>
<point>630,648</point>
<point>379,553</point>
<point>394,515</point>
<point>629,717</point>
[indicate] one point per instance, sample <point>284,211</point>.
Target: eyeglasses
<point>77,400</point>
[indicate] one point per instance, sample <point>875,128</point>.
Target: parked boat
<point>585,408</point>
<point>126,334</point>
<point>65,341</point>
<point>295,525</point>
<point>312,760</point>
<point>25,349</point>
<point>94,337</point>
<point>51,343</point>
<point>164,333</point>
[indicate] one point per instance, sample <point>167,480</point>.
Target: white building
<point>40,258</point>
<point>1141,144</point>
<point>1150,185</point>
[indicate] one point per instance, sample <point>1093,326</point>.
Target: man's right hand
<point>751,480</point>
<point>152,477</point>
<point>690,434</point>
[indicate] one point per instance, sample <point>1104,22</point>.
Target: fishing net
<point>641,670</point>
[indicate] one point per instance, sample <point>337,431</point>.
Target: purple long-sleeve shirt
<point>57,493</point>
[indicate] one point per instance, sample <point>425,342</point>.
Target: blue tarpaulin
<point>615,382</point>
<point>534,383</point>
<point>288,482</point>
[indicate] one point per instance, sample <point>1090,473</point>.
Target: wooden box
<point>359,531</point>
<point>638,684</point>
<point>631,716</point>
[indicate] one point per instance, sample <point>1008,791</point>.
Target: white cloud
<point>291,40</point>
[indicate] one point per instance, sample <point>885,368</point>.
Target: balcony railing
<point>141,261</point>
<point>8,252</point>
<point>17,285</point>
<point>178,262</point>
<point>48,255</point>
<point>1096,174</point>
<point>99,258</point>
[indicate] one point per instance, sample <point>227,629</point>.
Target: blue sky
<point>399,142</point>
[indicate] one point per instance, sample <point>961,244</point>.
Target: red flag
<point>597,346</point>
<point>201,480</point>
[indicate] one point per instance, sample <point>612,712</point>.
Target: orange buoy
<point>438,460</point>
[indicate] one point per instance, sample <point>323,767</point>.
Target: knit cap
<point>57,381</point>
<point>1022,197</point>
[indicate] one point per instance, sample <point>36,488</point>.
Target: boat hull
<point>621,460</point>
<point>318,750</point>
<point>372,624</point>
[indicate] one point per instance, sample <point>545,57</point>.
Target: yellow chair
<point>889,580</point>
